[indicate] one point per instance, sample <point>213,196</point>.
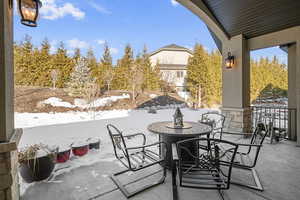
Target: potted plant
<point>94,143</point>
<point>36,163</point>
<point>63,154</point>
<point>80,148</point>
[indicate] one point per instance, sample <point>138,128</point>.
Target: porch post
<point>236,85</point>
<point>292,98</point>
<point>8,156</point>
<point>298,88</point>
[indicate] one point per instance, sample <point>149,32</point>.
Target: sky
<point>89,23</point>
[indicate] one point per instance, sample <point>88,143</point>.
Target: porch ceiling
<point>254,17</point>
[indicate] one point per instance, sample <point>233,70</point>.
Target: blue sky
<point>88,23</point>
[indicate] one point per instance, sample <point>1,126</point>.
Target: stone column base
<point>9,179</point>
<point>237,119</point>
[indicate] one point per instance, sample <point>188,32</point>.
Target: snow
<point>81,103</point>
<point>100,102</point>
<point>153,95</point>
<point>184,95</point>
<point>57,102</point>
<point>24,120</point>
<point>39,131</point>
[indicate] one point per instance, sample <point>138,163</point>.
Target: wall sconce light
<point>229,61</point>
<point>29,11</point>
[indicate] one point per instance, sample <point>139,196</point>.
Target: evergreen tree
<point>106,64</point>
<point>44,64</point>
<point>121,80</point>
<point>198,76</point>
<point>77,54</point>
<point>151,74</point>
<point>64,64</point>
<point>80,77</point>
<point>24,63</point>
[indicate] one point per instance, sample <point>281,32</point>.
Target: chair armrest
<point>136,134</point>
<point>144,146</point>
<point>237,133</point>
<point>174,152</point>
<point>249,145</point>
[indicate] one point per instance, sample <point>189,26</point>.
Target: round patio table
<point>168,134</point>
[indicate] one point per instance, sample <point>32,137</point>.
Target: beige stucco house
<point>172,61</point>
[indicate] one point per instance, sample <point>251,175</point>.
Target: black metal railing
<point>282,118</point>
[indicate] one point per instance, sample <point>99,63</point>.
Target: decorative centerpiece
<point>178,119</point>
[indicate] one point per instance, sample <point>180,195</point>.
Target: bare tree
<point>136,79</point>
<point>108,78</point>
<point>54,77</point>
<point>91,93</point>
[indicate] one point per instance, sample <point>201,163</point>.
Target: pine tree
<point>198,75</point>
<point>106,64</point>
<point>121,80</point>
<point>64,64</point>
<point>24,63</point>
<point>151,75</point>
<point>44,65</point>
<point>77,54</point>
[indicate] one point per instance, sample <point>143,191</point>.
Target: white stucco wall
<point>171,77</point>
<point>170,57</point>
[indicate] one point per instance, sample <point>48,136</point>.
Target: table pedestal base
<point>173,139</point>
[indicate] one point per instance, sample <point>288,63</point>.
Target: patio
<point>278,168</point>
<point>237,27</point>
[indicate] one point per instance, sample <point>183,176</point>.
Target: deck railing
<point>282,118</point>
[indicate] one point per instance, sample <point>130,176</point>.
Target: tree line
<point>37,66</point>
<point>268,78</point>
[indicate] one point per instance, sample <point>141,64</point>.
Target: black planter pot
<point>37,169</point>
<point>94,145</point>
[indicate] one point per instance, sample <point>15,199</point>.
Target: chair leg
<point>174,183</point>
<point>130,194</point>
<point>258,186</point>
<point>221,194</point>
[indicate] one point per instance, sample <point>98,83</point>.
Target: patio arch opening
<point>236,83</point>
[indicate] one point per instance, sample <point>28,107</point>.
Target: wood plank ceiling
<point>254,17</point>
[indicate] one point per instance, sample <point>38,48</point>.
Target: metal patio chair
<point>135,158</point>
<point>216,120</point>
<point>206,170</point>
<point>248,153</point>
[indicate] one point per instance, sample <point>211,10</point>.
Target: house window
<point>179,74</point>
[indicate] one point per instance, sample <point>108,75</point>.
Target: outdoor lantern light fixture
<point>29,11</point>
<point>178,119</point>
<point>229,61</point>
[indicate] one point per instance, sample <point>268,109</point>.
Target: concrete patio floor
<point>278,168</point>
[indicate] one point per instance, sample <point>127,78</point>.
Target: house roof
<point>172,47</point>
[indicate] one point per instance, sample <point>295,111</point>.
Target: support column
<point>8,155</point>
<point>236,85</point>
<point>298,89</point>
<point>292,98</point>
